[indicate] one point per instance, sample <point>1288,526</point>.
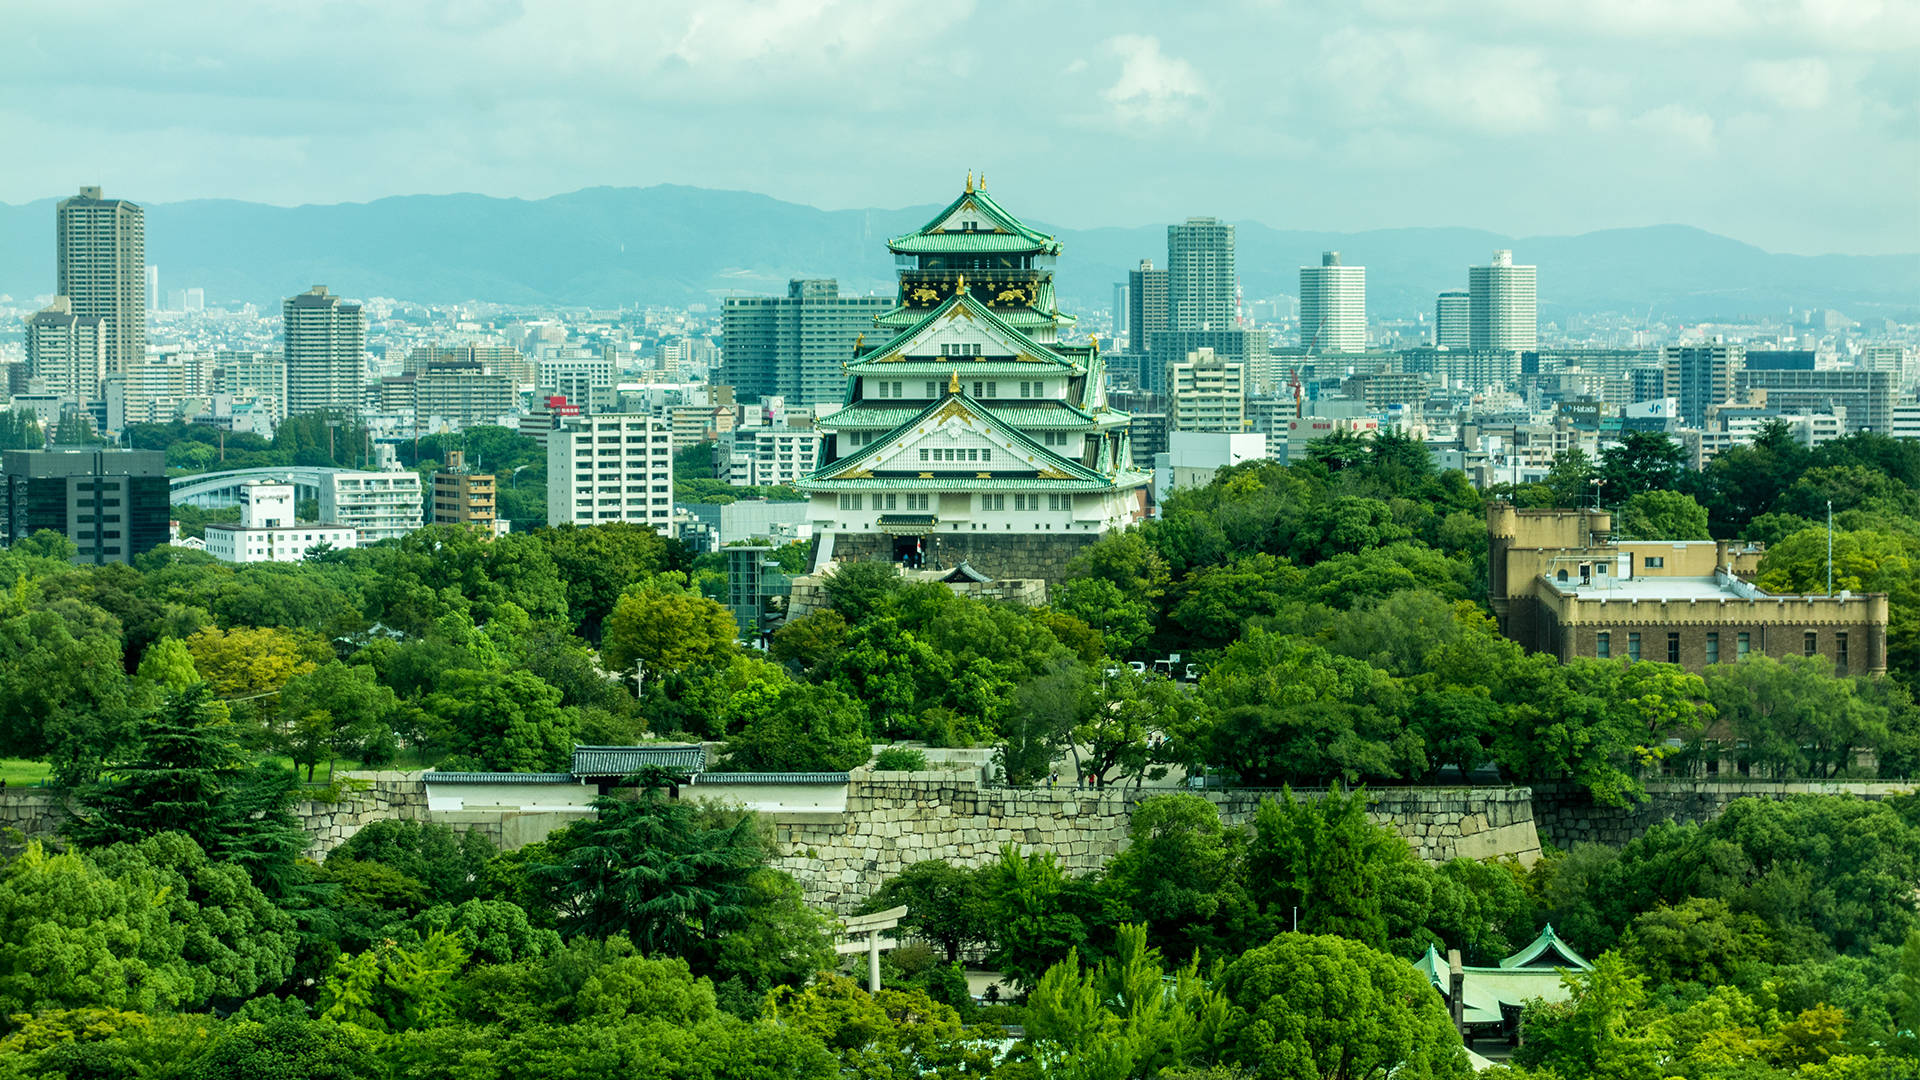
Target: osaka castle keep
<point>971,432</point>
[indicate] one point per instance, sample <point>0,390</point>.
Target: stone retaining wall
<point>896,819</point>
<point>1565,815</point>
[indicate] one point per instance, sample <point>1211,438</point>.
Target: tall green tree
<point>1325,1008</point>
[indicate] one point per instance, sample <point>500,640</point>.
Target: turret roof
<point>1008,234</point>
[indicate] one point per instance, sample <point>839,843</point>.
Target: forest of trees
<point>1334,606</point>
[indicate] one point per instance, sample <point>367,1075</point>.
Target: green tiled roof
<point>941,243</point>
<point>1025,415</point>
<point>1011,333</point>
<point>821,478</point>
<point>969,367</point>
<point>622,760</point>
<point>1024,238</point>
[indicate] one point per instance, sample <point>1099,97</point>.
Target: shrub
<point>900,759</point>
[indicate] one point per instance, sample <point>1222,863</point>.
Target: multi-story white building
<point>1333,306</point>
<point>610,467</point>
<point>383,505</point>
<point>583,376</point>
<point>1906,420</point>
<point>256,376</point>
<point>268,531</point>
<point>1209,393</point>
<point>1453,320</point>
<point>1502,305</point>
<point>326,353</point>
<point>67,352</point>
<point>766,456</point>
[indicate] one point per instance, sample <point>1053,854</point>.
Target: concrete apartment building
<point>68,352</point>
<point>610,467</point>
<point>1866,396</point>
<point>1453,320</point>
<point>326,352</point>
<point>1209,393</point>
<point>1502,304</point>
<point>1701,377</point>
<point>1560,583</point>
<point>101,256</point>
<point>113,504</point>
<point>259,376</point>
<point>1333,306</point>
<point>462,496</point>
<point>1146,306</point>
<point>378,506</point>
<point>793,346</point>
<point>463,394</point>
<point>268,531</point>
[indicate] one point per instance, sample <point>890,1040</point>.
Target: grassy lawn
<point>18,772</point>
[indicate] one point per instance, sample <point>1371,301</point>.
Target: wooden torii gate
<point>867,929</point>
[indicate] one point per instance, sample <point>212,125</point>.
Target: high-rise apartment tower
<point>1333,306</point>
<point>102,256</point>
<point>1200,275</point>
<point>793,346</point>
<point>1146,306</point>
<point>326,352</point>
<point>1452,320</point>
<point>1503,310</point>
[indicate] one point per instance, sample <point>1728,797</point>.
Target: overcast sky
<point>1794,125</point>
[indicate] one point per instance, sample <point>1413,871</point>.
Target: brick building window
<point>1673,648</point>
<point>1603,645</point>
<point>1811,642</point>
<point>1713,647</point>
<point>1742,645</point>
<point>1633,646</point>
<point>1840,652</point>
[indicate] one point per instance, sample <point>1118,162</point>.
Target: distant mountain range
<point>671,245</point>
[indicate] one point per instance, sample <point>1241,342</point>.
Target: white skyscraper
<point>1502,306</point>
<point>101,248</point>
<point>1333,306</point>
<point>326,352</point>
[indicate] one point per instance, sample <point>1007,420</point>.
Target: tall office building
<point>111,503</point>
<point>1453,320</point>
<point>326,352</point>
<point>1200,275</point>
<point>1701,376</point>
<point>1146,306</point>
<point>793,346</point>
<point>1502,306</point>
<point>102,257</point>
<point>1333,306</point>
<point>610,467</point>
<point>68,351</point>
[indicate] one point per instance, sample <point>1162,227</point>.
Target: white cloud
<point>1496,90</point>
<point>1802,83</point>
<point>1153,88</point>
<point>1679,125</point>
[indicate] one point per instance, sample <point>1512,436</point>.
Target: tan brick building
<point>464,497</point>
<point>1559,583</point>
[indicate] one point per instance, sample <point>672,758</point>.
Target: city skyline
<point>1637,115</point>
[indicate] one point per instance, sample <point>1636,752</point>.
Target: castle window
<point>917,502</point>
<point>933,388</point>
<point>1810,642</point>
<point>993,502</point>
<point>1603,645</point>
<point>1742,645</point>
<point>1633,646</point>
<point>1840,652</point>
<point>1673,648</point>
<point>923,454</point>
<point>1713,647</point>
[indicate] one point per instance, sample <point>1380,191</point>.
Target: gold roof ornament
<point>857,340</point>
<point>960,282</point>
<point>969,181</point>
<point>983,179</point>
<point>953,382</point>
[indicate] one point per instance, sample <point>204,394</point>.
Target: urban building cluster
<point>962,417</point>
